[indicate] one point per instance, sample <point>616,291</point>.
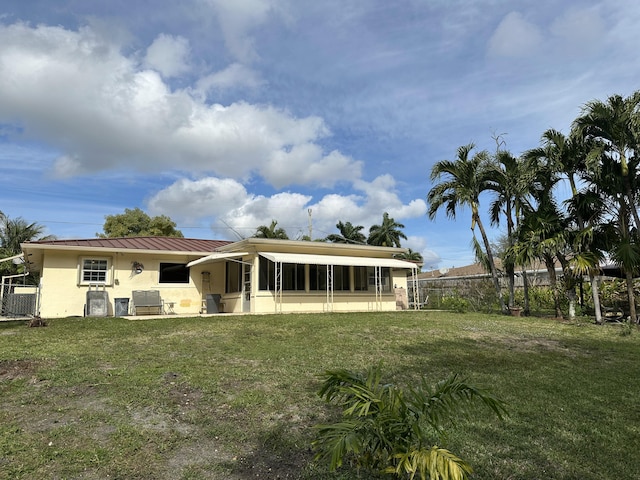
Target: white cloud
<point>306,164</point>
<point>419,244</point>
<point>77,92</point>
<point>515,37</point>
<point>226,203</point>
<point>168,55</point>
<point>235,75</point>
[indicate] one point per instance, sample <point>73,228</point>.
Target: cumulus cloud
<point>79,93</point>
<point>168,55</point>
<point>226,203</point>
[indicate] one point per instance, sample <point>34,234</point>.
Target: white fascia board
<point>302,258</point>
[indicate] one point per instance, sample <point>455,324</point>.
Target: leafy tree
<point>349,233</point>
<point>136,223</point>
<point>271,231</point>
<point>387,234</point>
<point>393,430</point>
<point>465,179</point>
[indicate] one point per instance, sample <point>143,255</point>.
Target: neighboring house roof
<point>172,244</point>
<point>466,271</point>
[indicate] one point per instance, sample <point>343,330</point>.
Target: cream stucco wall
<point>63,294</point>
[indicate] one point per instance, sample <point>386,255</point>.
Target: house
<point>135,275</point>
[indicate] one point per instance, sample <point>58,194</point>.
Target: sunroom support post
<point>329,300</point>
<point>277,270</point>
<point>378,282</point>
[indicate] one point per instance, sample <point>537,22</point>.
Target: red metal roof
<point>141,243</point>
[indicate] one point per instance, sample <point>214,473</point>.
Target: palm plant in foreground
<point>394,430</point>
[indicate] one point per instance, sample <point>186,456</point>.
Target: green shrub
<point>456,304</point>
<point>391,430</point>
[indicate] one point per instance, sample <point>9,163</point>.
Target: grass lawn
<point>235,397</point>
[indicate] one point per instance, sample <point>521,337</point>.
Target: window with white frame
<point>94,270</point>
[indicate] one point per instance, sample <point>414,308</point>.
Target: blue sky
<point>227,114</point>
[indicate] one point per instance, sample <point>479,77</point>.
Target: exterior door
<point>246,287</point>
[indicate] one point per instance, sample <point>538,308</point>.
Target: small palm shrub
<point>392,430</point>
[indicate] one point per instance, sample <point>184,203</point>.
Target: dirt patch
<point>17,369</point>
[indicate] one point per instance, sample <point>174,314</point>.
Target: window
<point>341,278</point>
<point>292,276</point>
<point>365,279</point>
<point>317,277</point>
<point>266,271</point>
<point>360,279</point>
<point>234,277</point>
<point>95,270</point>
<point>174,273</point>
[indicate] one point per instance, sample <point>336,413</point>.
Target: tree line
<point>387,234</point>
<point>597,223</point>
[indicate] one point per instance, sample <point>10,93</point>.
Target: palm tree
<point>542,235</point>
<point>614,124</point>
<point>411,256</point>
<point>349,233</point>
<point>511,182</point>
<point>613,128</point>
<point>388,234</point>
<point>565,157</point>
<point>393,430</point>
<point>271,231</point>
<point>14,232</point>
<point>465,179</point>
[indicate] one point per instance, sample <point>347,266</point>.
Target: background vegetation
<point>229,397</point>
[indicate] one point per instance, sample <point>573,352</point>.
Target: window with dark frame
<point>266,273</point>
<point>341,281</point>
<point>233,277</point>
<point>293,277</point>
<point>360,279</point>
<point>174,273</point>
<point>317,278</point>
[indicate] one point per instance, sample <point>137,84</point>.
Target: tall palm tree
<point>465,179</point>
<point>613,126</point>
<point>271,231</point>
<point>387,234</point>
<point>542,236</point>
<point>564,157</point>
<point>349,233</point>
<point>511,182</point>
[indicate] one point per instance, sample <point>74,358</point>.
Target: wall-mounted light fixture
<point>137,267</point>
